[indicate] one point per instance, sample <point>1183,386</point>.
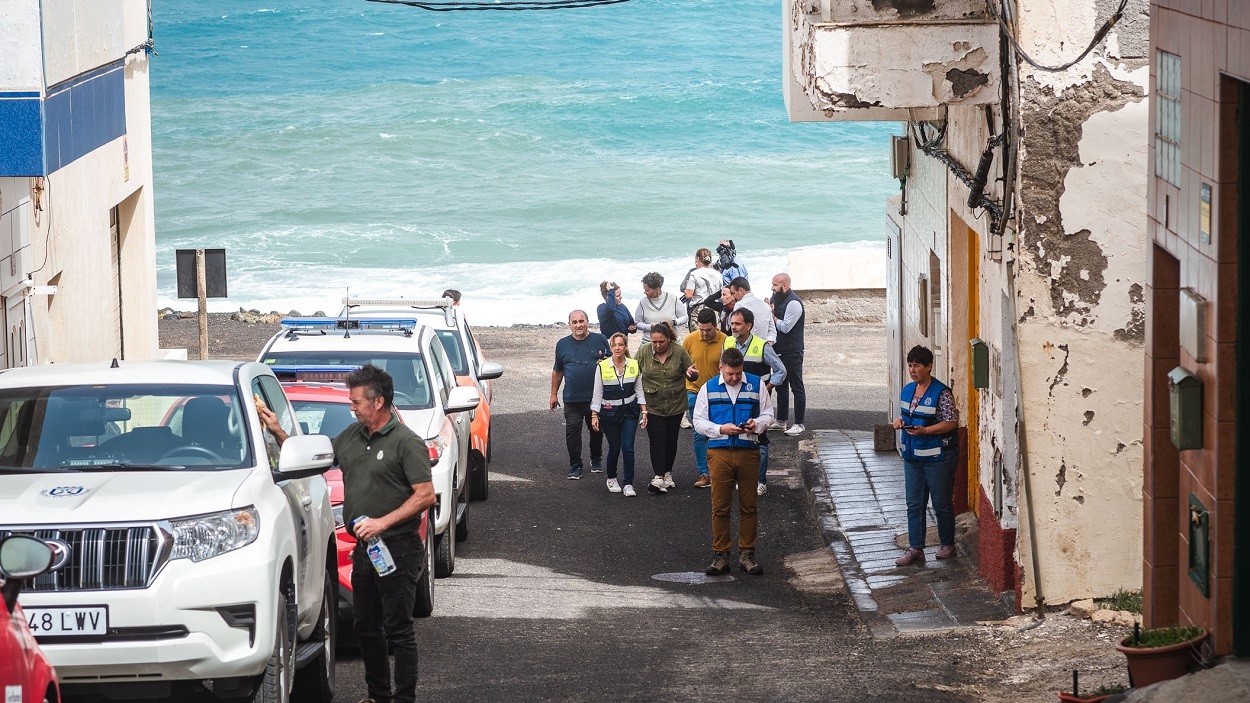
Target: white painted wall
<point>21,65</point>
<point>80,35</point>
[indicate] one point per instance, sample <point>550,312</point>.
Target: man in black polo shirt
<point>386,480</point>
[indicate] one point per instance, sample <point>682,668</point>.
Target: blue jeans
<point>925,481</point>
<point>700,440</point>
<point>620,438</point>
<point>763,463</point>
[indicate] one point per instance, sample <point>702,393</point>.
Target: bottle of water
<point>378,553</point>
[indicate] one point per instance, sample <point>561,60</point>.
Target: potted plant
<point>1161,653</point>
<point>1098,695</point>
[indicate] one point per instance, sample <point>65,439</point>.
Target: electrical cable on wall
<point>1098,37</point>
<point>515,5</point>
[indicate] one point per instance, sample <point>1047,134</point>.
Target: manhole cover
<point>692,577</point>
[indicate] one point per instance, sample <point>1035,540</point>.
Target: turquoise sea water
<point>518,156</point>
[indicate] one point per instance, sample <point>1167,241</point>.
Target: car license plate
<point>59,622</point>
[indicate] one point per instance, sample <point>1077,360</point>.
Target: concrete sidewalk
<point>861,492</point>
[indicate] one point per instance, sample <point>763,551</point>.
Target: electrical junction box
<point>980,358</point>
<point>1185,408</point>
<point>900,156</point>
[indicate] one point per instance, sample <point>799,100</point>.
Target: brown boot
<point>719,565</point>
<point>702,482</point>
<point>746,560</point>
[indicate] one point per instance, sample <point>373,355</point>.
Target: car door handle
<point>306,501</point>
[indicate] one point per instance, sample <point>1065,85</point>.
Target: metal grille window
<point>1168,117</point>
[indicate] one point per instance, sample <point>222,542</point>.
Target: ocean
<point>520,157</point>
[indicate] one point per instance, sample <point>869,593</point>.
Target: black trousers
<point>382,608</point>
<point>793,361</point>
<point>662,434</point>
<point>576,415</point>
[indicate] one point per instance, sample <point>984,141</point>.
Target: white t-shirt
<point>705,281</point>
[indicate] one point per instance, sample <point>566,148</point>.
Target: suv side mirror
<point>305,455</point>
<point>462,399</point>
<point>490,370</point>
<point>21,558</point>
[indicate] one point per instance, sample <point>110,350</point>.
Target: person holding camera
<point>727,262</point>
<point>614,317</point>
<point>731,410</point>
<point>664,367</point>
<point>928,419</point>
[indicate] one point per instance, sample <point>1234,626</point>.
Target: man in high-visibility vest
<point>759,359</point>
<point>730,411</point>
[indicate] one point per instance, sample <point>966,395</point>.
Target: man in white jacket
<point>740,289</point>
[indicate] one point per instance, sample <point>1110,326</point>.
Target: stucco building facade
<point>77,243</point>
<point>1020,224</point>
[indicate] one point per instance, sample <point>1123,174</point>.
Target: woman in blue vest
<point>617,408</point>
<point>928,418</point>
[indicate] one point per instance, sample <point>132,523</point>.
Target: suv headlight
<point>207,536</point>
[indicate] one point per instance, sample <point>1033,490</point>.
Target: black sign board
<point>214,273</point>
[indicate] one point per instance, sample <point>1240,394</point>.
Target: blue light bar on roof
<point>332,373</point>
<point>330,324</point>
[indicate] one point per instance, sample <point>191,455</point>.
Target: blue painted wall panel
<point>21,136</point>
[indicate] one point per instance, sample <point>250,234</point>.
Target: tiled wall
<point>1212,38</point>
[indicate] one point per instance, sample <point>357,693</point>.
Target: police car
<point>466,359</point>
<point>427,397</point>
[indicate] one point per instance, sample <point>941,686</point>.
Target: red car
<point>322,406</point>
<point>25,674</point>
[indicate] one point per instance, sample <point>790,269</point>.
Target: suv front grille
<point>102,558</point>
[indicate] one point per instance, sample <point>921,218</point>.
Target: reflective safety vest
<point>620,400</point>
<point>753,357</point>
<point>721,409</point>
<point>923,447</point>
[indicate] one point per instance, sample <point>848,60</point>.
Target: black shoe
<point>596,466</point>
<point>719,565</point>
<point>575,472</point>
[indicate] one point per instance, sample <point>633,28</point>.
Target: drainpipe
<point>1011,95</point>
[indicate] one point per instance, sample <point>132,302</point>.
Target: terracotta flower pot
<point>1150,665</point>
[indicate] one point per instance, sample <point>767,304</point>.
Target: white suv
<point>193,552</point>
<point>466,361</point>
<point>426,396</point>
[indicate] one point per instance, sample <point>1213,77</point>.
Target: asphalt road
<point>554,597</point>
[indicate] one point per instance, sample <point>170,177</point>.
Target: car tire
<point>315,682</point>
<point>275,683</point>
<point>445,554</point>
<point>462,525</point>
<point>424,605</point>
<point>479,477</point>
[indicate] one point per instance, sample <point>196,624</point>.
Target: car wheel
<point>275,684</point>
<point>479,478</point>
<point>315,682</point>
<point>424,606</point>
<point>462,525</point>
<point>445,555</point>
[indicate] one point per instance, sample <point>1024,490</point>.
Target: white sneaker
<point>761,489</point>
<point>613,486</point>
<point>778,425</point>
<point>795,430</point>
<point>685,422</point>
<point>629,491</point>
<point>668,480</point>
<point>657,485</point>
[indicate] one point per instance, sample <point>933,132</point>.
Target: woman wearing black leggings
<point>663,366</point>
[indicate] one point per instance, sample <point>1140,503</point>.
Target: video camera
<point>726,252</point>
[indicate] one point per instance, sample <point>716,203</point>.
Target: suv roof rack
<point>447,305</point>
<point>296,326</point>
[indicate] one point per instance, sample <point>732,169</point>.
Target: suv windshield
<point>412,385</point>
<point>141,426</point>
